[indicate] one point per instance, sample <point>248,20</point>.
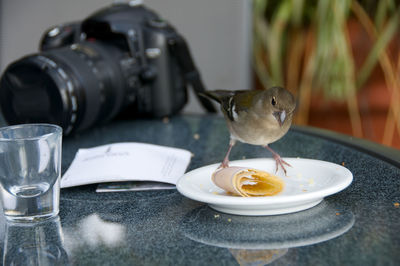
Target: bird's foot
<point>224,164</point>
<point>280,162</point>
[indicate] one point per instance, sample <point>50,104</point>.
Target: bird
<point>257,117</point>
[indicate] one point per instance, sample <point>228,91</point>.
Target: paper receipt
<point>126,162</point>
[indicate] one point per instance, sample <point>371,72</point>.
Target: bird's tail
<point>217,95</point>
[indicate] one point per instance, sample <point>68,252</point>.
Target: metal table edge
<point>384,153</point>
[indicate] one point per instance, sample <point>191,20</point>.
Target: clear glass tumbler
<point>30,171</point>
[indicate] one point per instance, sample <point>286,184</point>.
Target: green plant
<point>305,46</point>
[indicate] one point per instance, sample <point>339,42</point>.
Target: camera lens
<point>75,87</point>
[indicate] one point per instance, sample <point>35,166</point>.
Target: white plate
<point>306,184</point>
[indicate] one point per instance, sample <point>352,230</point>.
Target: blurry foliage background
<point>307,46</point>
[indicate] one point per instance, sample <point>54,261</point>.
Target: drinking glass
<point>30,170</point>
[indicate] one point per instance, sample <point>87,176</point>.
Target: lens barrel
<point>75,87</point>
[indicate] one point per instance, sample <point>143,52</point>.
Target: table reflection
<point>266,239</point>
<point>94,232</point>
<point>34,243</point>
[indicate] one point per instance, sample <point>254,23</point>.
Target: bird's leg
<point>225,162</point>
<point>278,159</point>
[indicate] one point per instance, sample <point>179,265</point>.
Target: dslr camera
<point>123,60</point>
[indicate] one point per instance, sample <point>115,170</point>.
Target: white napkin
<point>126,162</point>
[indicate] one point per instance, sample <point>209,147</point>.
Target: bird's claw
<point>280,162</point>
<point>224,164</point>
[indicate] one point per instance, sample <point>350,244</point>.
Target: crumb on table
<point>165,120</point>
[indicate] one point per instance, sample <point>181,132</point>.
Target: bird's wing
<point>232,102</point>
<point>243,100</point>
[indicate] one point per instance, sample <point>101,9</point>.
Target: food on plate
<point>247,182</point>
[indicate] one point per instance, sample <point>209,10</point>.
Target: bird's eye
<point>273,101</point>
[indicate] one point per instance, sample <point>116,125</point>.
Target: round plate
<point>306,184</point>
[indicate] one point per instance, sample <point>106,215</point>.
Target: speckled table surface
<point>358,226</point>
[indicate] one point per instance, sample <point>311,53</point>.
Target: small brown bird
<point>257,117</point>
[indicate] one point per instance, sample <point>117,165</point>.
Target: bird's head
<point>281,103</point>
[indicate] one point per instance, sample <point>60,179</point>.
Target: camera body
<point>151,73</point>
<point>122,60</point>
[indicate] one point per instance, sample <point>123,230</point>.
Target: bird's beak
<point>280,117</point>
